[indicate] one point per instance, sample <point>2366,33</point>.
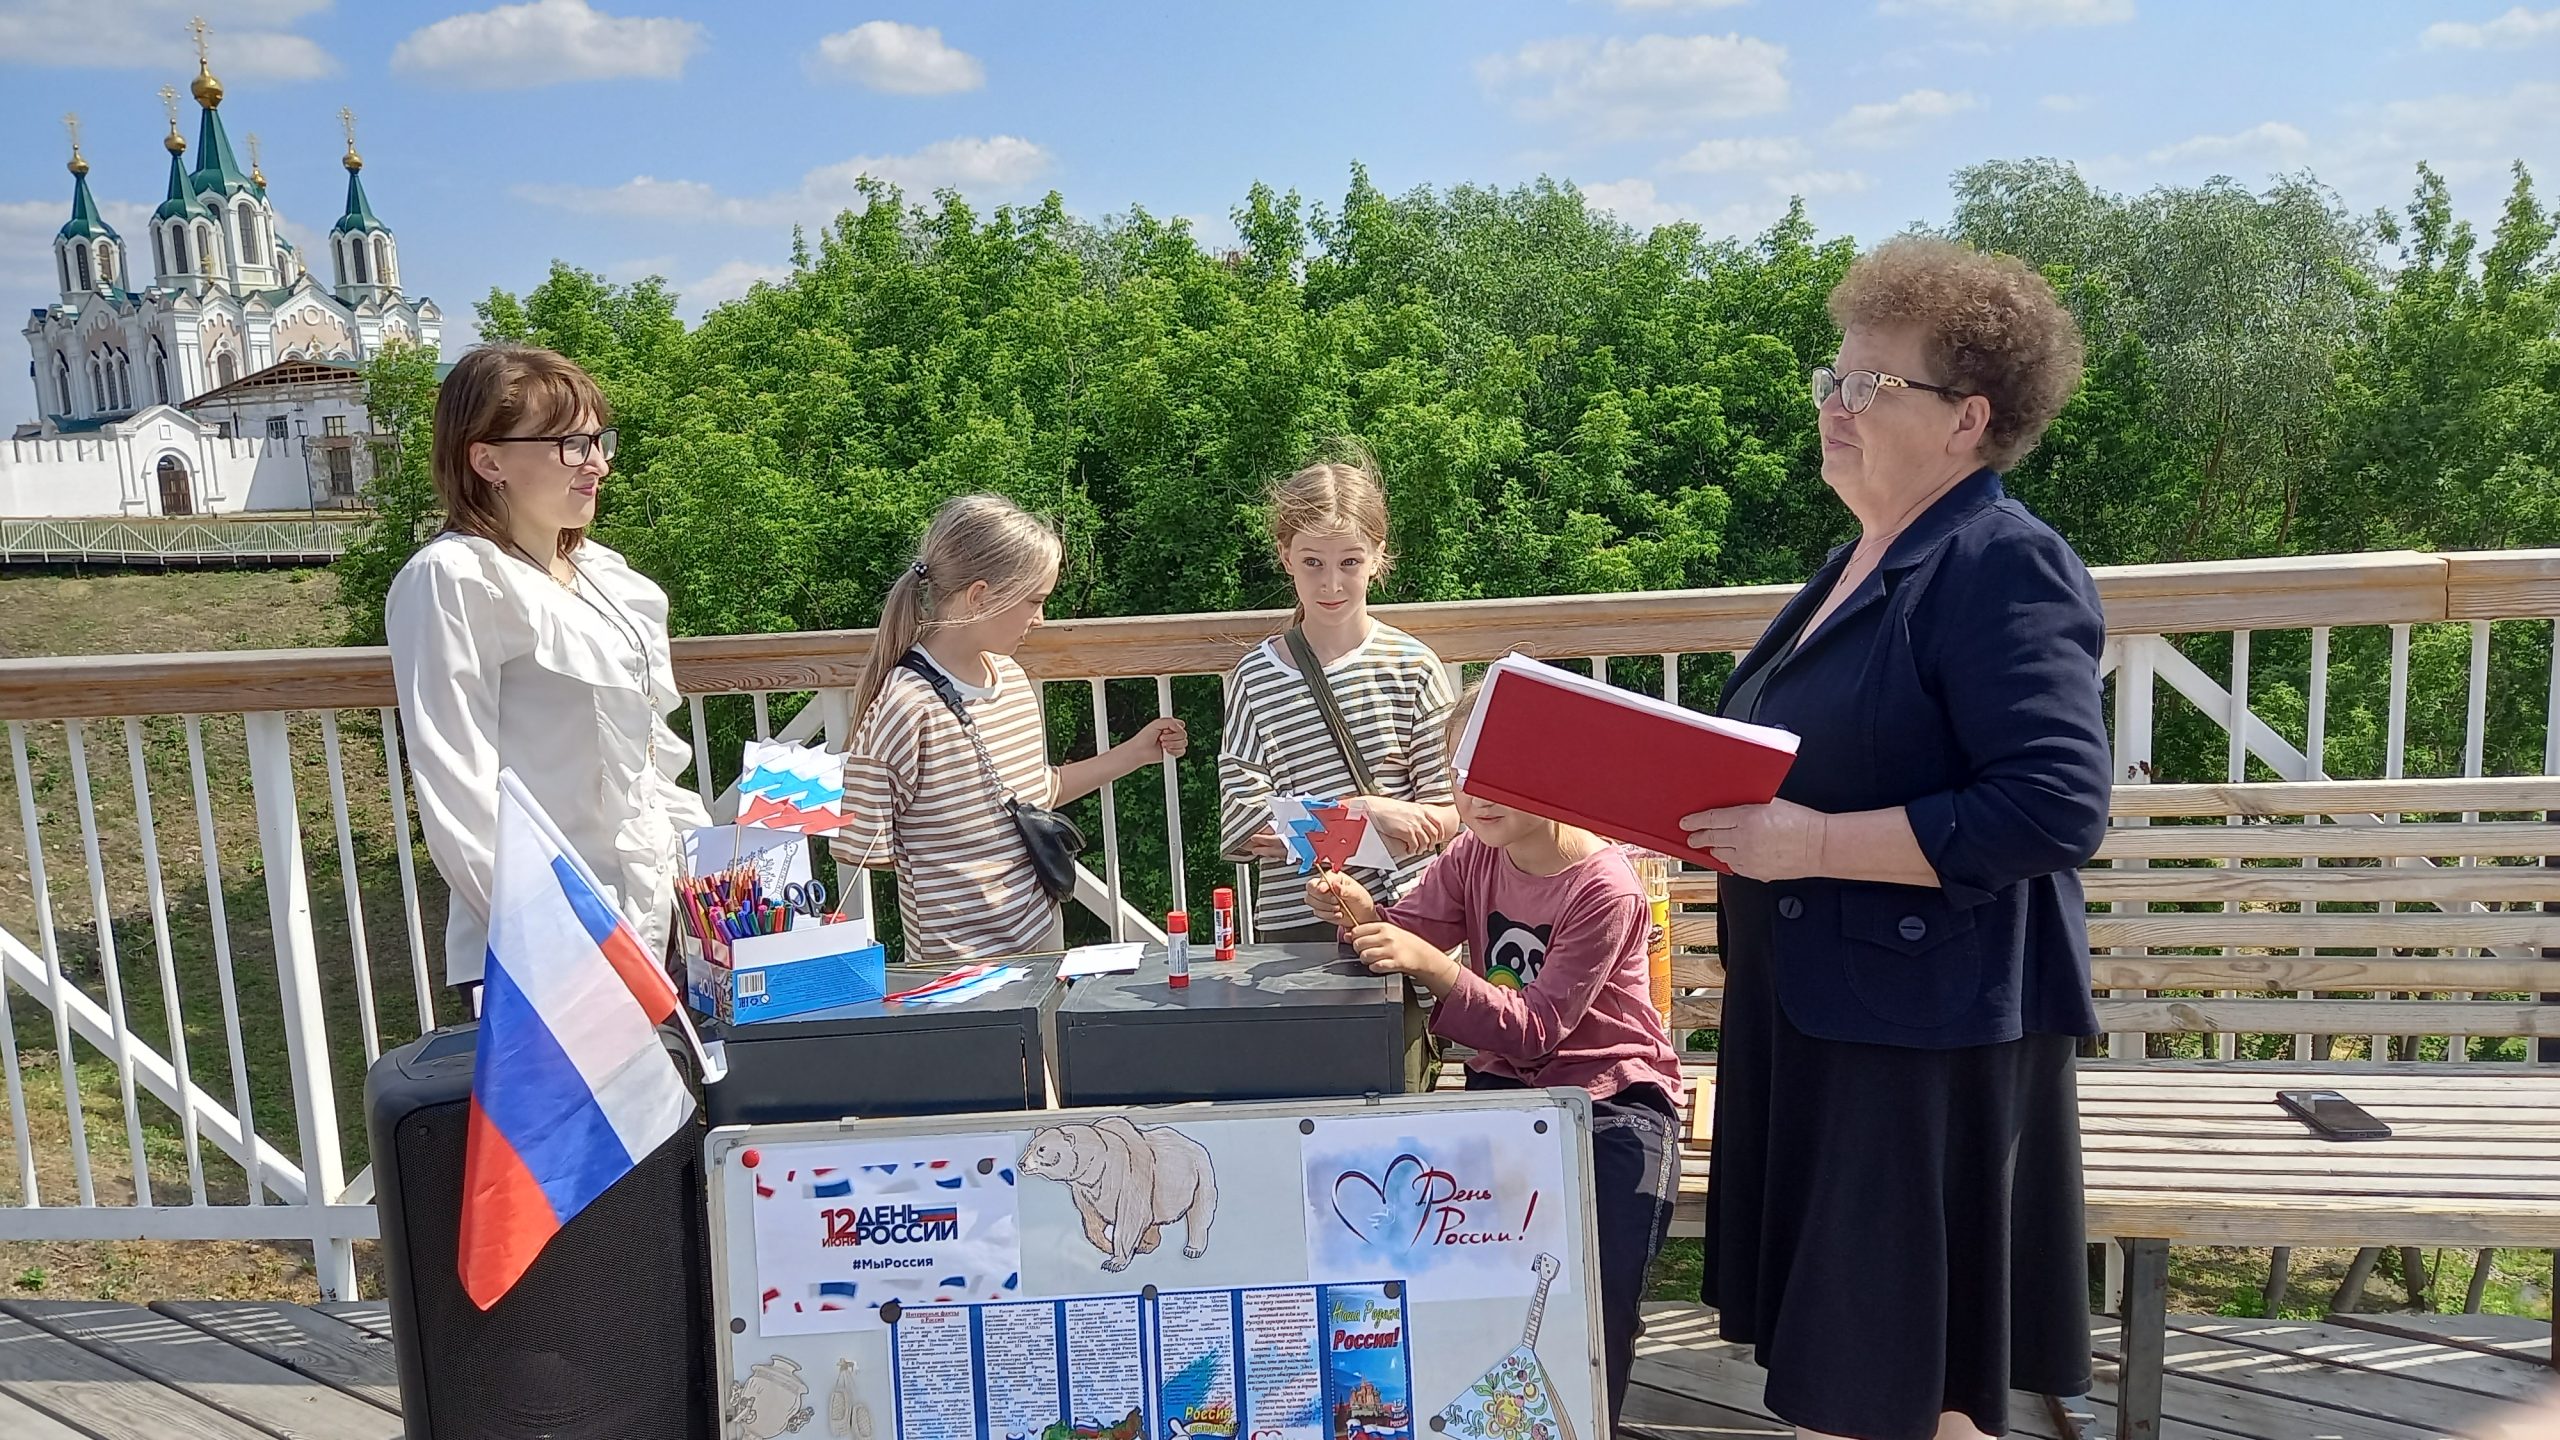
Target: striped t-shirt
<point>919,800</point>
<point>1393,694</point>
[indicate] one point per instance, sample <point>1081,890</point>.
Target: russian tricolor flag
<point>571,1087</point>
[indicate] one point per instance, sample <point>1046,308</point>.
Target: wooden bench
<point>2196,1151</point>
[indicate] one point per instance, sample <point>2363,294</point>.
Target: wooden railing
<point>292,962</point>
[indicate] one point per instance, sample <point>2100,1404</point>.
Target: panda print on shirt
<point>1514,953</point>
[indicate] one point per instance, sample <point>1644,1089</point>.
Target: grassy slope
<point>189,611</point>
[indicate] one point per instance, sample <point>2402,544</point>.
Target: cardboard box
<point>768,977</point>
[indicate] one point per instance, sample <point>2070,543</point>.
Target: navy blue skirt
<point>1895,1232</point>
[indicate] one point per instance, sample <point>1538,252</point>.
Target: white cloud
<point>2512,31</point>
<point>1890,122</point>
<point>546,42</point>
<point>2017,14</point>
<point>1750,153</point>
<point>1810,183</point>
<point>900,59</point>
<point>2064,104</point>
<point>1625,87</point>
<point>2272,139</point>
<point>730,282</point>
<point>996,165</point>
<point>1635,202</point>
<point>249,38</point>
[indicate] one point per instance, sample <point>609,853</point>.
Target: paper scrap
<point>1100,960</point>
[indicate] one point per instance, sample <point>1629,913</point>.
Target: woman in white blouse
<point>518,642</point>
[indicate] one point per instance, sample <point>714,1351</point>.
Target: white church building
<point>195,392</point>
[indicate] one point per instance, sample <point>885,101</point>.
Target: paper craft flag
<point>1329,833</point>
<point>791,787</point>
<point>571,1087</point>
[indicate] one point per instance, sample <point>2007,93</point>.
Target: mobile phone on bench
<point>2331,1114</point>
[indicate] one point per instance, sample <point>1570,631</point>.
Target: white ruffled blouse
<point>498,665</point>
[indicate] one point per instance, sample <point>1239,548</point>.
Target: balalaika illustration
<point>1514,1400</point>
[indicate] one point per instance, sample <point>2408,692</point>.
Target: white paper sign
<point>1460,1215</point>
<point>781,857</point>
<point>842,1229</point>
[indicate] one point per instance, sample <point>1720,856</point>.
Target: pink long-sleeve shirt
<point>1555,991</point>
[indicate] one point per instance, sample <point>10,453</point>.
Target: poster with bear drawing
<point>1456,1207</point>
<point>1301,1270</point>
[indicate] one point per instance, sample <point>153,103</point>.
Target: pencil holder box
<point>769,977</point>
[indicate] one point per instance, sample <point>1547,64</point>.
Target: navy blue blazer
<point>1959,682</point>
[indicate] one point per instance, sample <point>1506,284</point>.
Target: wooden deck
<point>245,1370</point>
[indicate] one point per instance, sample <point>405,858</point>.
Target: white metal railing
<point>301,539</point>
<point>228,842</point>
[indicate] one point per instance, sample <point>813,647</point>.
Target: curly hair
<point>1992,325</point>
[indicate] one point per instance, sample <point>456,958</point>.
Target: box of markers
<point>790,972</point>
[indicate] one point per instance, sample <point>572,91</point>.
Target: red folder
<point>1619,764</point>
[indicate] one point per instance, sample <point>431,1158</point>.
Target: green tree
<point>400,393</point>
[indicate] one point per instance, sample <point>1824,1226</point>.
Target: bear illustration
<point>1129,1183</point>
<point>1514,953</point>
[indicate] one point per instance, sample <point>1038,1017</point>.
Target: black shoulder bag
<point>1421,1047</point>
<point>1052,839</point>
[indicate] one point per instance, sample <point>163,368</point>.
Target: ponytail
<point>900,616</point>
<point>972,538</point>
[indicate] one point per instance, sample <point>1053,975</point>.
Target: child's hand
<point>1408,829</point>
<point>1340,900</point>
<point>1162,739</point>
<point>1266,844</point>
<point>1394,950</point>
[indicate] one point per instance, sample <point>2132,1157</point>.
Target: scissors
<point>809,899</point>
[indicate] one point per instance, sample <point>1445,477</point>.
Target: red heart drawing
<point>1378,1186</point>
<point>1340,838</point>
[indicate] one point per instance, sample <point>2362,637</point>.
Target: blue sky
<point>682,138</point>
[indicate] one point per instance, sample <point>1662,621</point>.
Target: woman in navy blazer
<point>1894,1211</point>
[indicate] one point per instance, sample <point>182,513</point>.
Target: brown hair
<point>497,391</point>
<point>972,538</point>
<point>1333,497</point>
<point>1453,725</point>
<point>1993,328</point>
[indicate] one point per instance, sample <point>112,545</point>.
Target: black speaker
<point>606,1337</point>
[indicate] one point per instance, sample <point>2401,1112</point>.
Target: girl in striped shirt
<point>1330,522</point>
<point>918,796</point>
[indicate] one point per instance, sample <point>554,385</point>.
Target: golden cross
<point>347,118</point>
<point>253,149</point>
<point>198,29</point>
<point>72,123</point>
<point>169,102</point>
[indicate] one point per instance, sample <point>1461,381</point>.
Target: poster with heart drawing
<point>1457,1204</point>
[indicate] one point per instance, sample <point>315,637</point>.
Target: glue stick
<point>1222,920</point>
<point>1177,950</point>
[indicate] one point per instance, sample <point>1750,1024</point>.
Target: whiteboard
<point>1395,1268</point>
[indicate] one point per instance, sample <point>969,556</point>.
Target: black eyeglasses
<point>1857,389</point>
<point>573,448</point>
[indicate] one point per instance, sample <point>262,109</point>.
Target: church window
<point>106,263</point>
<point>80,254</point>
<point>62,380</point>
<point>356,248</point>
<point>279,428</point>
<point>97,389</point>
<point>225,369</point>
<point>178,247</point>
<point>159,371</point>
<point>204,247</point>
<point>160,251</point>
<point>382,258</point>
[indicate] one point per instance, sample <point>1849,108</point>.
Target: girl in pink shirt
<point>1552,991</point>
